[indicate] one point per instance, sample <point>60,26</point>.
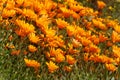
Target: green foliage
<point>13,67</point>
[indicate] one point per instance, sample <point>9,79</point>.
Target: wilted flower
<point>15,52</point>
<point>86,58</point>
<point>67,68</point>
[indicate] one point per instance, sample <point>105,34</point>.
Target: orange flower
<point>50,33</point>
<point>49,4</point>
<point>117,60</point>
<point>52,43</point>
<point>71,1</point>
<point>24,28</point>
<point>102,38</point>
<point>59,57</point>
<point>71,50</point>
<point>71,30</point>
<point>52,59</point>
<point>43,23</point>
<point>37,6</point>
<point>99,24</point>
<point>117,28</point>
<point>29,13</point>
<point>19,2</point>
<point>95,58</point>
<point>87,11</point>
<point>61,23</point>
<point>60,42</point>
<point>43,12</point>
<point>66,12</point>
<point>33,38</point>
<point>80,31</point>
<point>18,10</point>
<point>52,14</point>
<point>32,63</point>
<point>52,52</point>
<point>115,37</point>
<point>75,7</point>
<point>111,67</point>
<point>27,3</point>
<point>10,4</point>
<point>93,48</point>
<point>101,4</point>
<point>51,66</point>
<point>75,15</point>
<point>75,43</point>
<point>88,25</point>
<point>59,15</point>
<point>70,59</point>
<point>105,59</point>
<point>83,12</point>
<point>101,58</point>
<point>94,39</point>
<point>112,23</point>
<point>32,48</point>
<point>8,13</point>
<point>86,49</point>
<point>116,51</point>
<point>85,41</point>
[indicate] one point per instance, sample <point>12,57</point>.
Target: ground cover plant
<point>59,40</point>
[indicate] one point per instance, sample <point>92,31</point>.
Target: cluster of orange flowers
<point>67,29</point>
